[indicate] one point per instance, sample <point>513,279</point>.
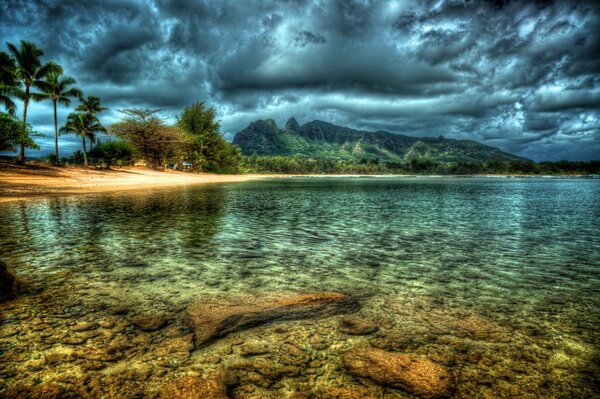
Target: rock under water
<point>7,281</point>
<point>356,326</point>
<point>410,372</point>
<point>193,387</point>
<point>215,318</point>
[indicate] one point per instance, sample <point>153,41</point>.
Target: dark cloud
<point>520,75</point>
<point>305,37</point>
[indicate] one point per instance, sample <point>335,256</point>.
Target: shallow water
<point>496,279</point>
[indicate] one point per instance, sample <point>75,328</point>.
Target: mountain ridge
<point>320,139</point>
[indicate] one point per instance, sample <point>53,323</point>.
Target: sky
<point>519,75</point>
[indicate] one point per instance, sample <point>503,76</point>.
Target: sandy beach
<point>21,182</point>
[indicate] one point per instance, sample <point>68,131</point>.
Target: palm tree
<point>9,85</point>
<point>83,125</point>
<point>56,88</point>
<point>30,71</point>
<point>91,106</point>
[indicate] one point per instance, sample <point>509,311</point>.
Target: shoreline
<point>19,183</point>
<point>31,181</point>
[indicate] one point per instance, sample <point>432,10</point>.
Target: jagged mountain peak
<point>292,124</point>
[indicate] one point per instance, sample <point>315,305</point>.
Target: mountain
<point>320,139</point>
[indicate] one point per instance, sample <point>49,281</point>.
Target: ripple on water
<point>482,276</point>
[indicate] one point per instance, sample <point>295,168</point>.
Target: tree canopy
<point>13,134</point>
<point>206,149</point>
<point>150,137</point>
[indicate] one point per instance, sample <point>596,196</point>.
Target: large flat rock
<point>410,372</point>
<point>213,318</point>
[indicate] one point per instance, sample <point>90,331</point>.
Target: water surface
<point>497,279</point>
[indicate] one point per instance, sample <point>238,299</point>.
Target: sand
<point>21,182</point>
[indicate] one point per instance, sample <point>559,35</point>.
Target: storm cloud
<point>519,75</point>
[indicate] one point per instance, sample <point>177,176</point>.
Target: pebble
<point>74,340</point>
<point>85,326</point>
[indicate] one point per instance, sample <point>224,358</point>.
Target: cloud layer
<point>522,76</point>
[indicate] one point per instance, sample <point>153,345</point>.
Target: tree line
<point>298,165</point>
<point>25,77</point>
<point>194,142</point>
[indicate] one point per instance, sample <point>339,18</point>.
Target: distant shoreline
<point>19,183</point>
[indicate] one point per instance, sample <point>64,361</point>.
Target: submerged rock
<point>356,326</point>
<point>178,345</point>
<point>473,326</point>
<point>410,372</point>
<point>213,387</point>
<point>212,319</point>
<point>149,323</point>
<point>85,326</point>
<point>41,391</point>
<point>7,281</point>
<point>254,348</point>
<point>355,392</point>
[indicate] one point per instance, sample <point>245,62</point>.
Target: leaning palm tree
<point>30,71</point>
<point>56,88</point>
<point>9,84</point>
<point>90,105</point>
<point>83,125</point>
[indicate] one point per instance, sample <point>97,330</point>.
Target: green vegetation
<point>57,88</point>
<point>205,149</point>
<point>30,73</point>
<point>77,158</point>
<point>9,85</point>
<point>112,153</point>
<point>90,106</point>
<point>323,140</point>
<point>150,137</point>
<point>300,165</point>
<point>84,125</point>
<point>13,134</point>
<point>22,71</point>
<point>194,142</point>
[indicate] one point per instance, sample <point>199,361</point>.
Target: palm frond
<point>38,96</point>
<point>8,103</point>
<point>47,69</point>
<point>73,93</point>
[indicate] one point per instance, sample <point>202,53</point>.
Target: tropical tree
<point>56,87</point>
<point>207,150</point>
<point>30,71</point>
<point>9,84</point>
<point>13,134</point>
<point>90,105</point>
<point>151,139</point>
<point>83,125</point>
<point>10,132</point>
<point>110,152</point>
<point>77,157</point>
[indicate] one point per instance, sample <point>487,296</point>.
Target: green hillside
<point>320,139</point>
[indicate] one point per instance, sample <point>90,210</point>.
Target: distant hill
<point>320,139</point>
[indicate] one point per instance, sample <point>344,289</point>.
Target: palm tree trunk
<point>91,148</point>
<point>85,160</point>
<point>56,134</point>
<point>25,104</point>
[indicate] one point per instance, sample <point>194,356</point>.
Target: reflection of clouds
<point>416,68</point>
